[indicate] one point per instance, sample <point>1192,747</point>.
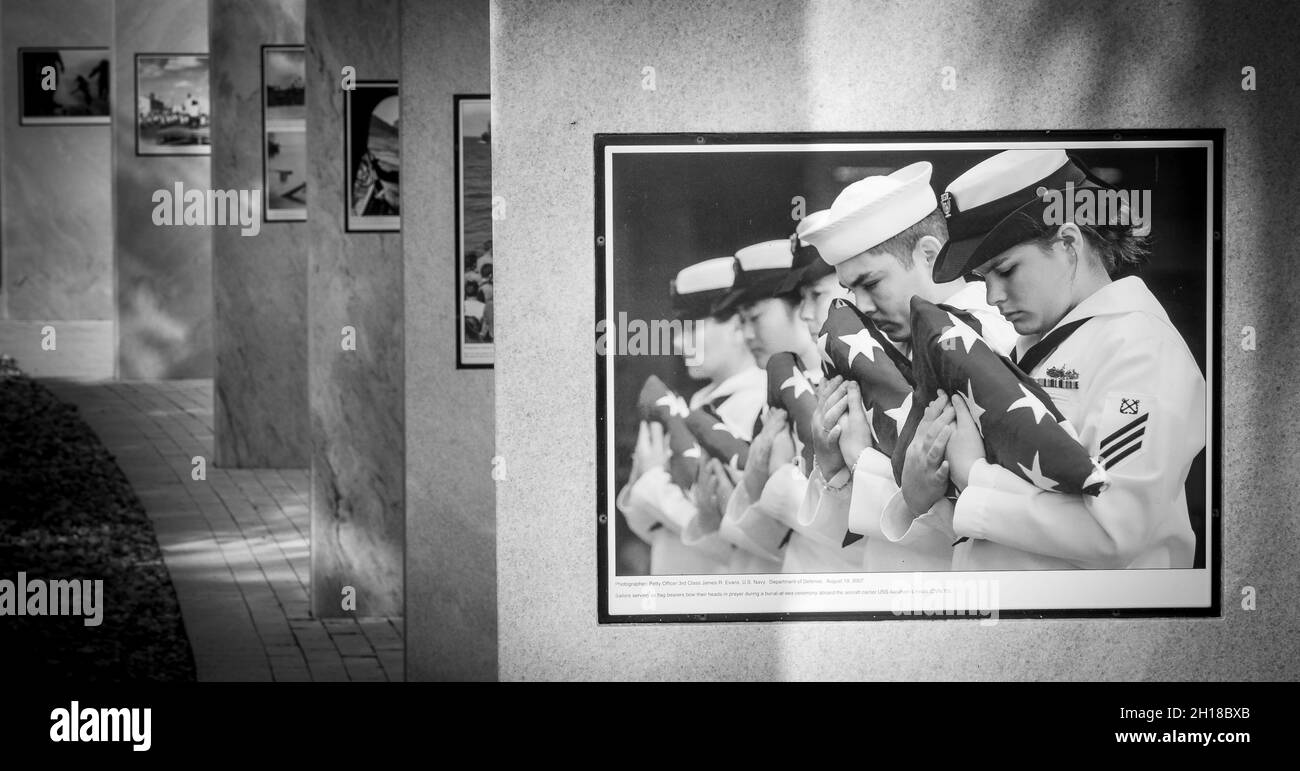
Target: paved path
<point>236,545</point>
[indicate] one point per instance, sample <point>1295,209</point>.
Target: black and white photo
<point>284,124</point>
<point>372,151</point>
<point>474,343</point>
<point>64,86</point>
<point>879,376</point>
<point>173,108</point>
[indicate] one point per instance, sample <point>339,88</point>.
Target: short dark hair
<point>1116,245</point>
<point>901,245</point>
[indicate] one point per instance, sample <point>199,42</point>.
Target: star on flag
<point>861,343</point>
<point>821,347</point>
<point>1029,402</point>
<point>899,413</point>
<point>675,405</point>
<point>798,382</point>
<point>976,411</point>
<point>1035,474</point>
<point>960,331</point>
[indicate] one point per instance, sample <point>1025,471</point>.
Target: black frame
<point>81,120</point>
<point>459,253</point>
<point>266,195</point>
<point>348,227</point>
<point>135,79</point>
<point>605,518</point>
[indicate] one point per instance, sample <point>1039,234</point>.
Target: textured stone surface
<point>259,283</point>
<point>563,71</point>
<point>55,186</point>
<point>451,529</point>
<point>354,279</point>
<point>164,274</point>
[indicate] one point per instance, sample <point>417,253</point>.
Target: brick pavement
<point>237,545</point>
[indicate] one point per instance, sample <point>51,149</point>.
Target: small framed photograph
<point>474,286</point>
<point>63,86</point>
<point>172,105</point>
<point>1062,289</point>
<point>284,132</point>
<point>372,153</point>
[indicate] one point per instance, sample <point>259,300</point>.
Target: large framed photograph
<point>284,133</point>
<point>172,105</point>
<point>908,375</point>
<point>474,286</point>
<point>371,149</point>
<point>63,86</point>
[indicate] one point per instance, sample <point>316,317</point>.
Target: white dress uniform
<point>865,215</point>
<point>1123,378</point>
<point>662,511</point>
<point>1140,408</point>
<point>927,544</point>
<point>761,530</point>
<point>657,510</point>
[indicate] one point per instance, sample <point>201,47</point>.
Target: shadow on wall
<point>154,344</point>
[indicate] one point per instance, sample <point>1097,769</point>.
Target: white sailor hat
<point>698,289</point>
<point>871,211</point>
<point>760,270</point>
<point>995,205</point>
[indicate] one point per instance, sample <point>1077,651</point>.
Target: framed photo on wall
<point>284,133</point>
<point>1055,294</point>
<point>173,107</point>
<point>474,285</point>
<point>372,152</point>
<point>63,86</point>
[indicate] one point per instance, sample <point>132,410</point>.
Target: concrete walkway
<point>236,545</point>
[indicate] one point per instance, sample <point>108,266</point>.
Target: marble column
<point>354,280</point>
<point>56,246</point>
<point>451,619</point>
<point>259,282</point>
<point>164,273</point>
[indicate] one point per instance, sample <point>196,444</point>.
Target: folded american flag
<point>659,404</point>
<point>855,349</point>
<point>1023,430</point>
<point>717,438</point>
<point>789,389</point>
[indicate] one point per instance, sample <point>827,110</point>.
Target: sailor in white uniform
<point>657,510</point>
<point>762,511</point>
<point>1106,352</point>
<point>883,235</point>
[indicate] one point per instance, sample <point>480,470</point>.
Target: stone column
<point>354,280</point>
<point>259,282</point>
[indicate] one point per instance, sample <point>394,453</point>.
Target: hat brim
<point>752,290</point>
<point>960,256</point>
<point>809,273</point>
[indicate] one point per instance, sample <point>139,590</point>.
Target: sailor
<point>882,235</point>
<point>1101,345</point>
<point>714,350</point>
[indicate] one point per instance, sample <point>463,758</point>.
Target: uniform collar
<point>750,377</point>
<point>1127,295</point>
